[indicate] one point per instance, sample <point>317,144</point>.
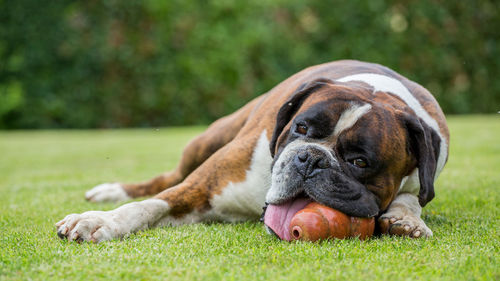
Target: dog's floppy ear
<point>424,144</point>
<point>291,106</point>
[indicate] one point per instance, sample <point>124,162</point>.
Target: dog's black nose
<point>309,163</point>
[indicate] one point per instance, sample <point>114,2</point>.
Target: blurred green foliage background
<point>84,64</point>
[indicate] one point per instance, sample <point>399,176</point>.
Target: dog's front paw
<point>107,192</point>
<point>395,223</point>
<point>93,226</point>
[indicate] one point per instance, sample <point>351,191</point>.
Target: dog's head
<point>337,145</point>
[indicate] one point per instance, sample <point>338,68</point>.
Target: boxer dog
<point>354,136</point>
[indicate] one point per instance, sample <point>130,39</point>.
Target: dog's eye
<point>301,129</point>
<point>360,162</point>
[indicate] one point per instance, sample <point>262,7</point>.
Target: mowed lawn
<point>44,174</point>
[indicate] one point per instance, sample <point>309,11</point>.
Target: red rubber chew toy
<point>316,222</point>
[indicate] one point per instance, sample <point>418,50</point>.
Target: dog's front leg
<point>97,226</point>
<point>181,204</point>
<point>403,218</point>
<point>187,202</point>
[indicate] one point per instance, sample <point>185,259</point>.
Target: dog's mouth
<point>277,218</point>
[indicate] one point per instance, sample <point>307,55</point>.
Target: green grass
<point>43,176</point>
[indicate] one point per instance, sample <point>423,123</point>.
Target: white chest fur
<point>244,200</point>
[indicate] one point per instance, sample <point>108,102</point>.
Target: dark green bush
<point>158,63</point>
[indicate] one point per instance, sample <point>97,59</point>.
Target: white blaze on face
<point>350,117</point>
<point>388,84</point>
<point>281,187</point>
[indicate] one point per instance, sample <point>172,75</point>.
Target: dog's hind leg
<point>196,152</point>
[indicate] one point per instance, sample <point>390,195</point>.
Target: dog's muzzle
<point>311,162</point>
<point>312,170</point>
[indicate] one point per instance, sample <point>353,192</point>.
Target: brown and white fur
<point>226,173</point>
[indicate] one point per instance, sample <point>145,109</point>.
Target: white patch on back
<point>388,84</point>
<point>350,117</point>
<point>244,200</point>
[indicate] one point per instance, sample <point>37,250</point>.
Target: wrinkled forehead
<point>335,99</point>
<point>349,113</point>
